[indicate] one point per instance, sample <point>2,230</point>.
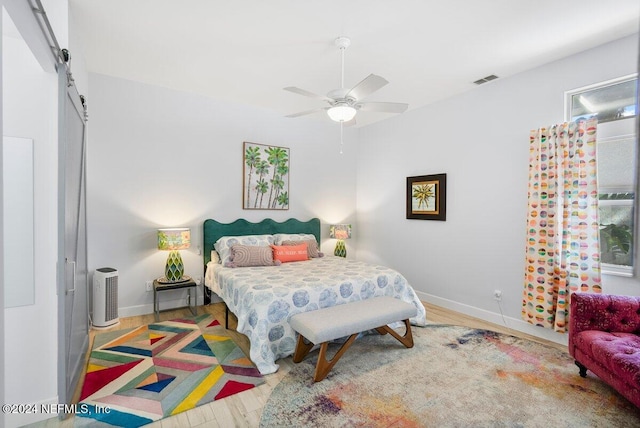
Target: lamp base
<point>174,270</point>
<point>341,250</point>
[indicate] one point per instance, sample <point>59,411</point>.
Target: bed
<point>263,298</point>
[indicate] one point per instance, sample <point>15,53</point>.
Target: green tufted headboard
<point>214,230</point>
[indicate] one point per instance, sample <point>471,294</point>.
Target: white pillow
<point>224,244</point>
<point>281,237</point>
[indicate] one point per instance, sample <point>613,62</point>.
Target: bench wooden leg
<point>302,349</point>
<point>406,340</point>
<point>324,366</point>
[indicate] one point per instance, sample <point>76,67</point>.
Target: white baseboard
<point>131,311</point>
<point>495,318</point>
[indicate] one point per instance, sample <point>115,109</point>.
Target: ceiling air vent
<point>486,79</point>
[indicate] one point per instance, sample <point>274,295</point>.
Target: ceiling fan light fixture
<point>341,113</point>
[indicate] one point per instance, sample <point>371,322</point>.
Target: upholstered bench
<point>321,326</point>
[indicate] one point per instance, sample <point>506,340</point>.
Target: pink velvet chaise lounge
<point>604,338</point>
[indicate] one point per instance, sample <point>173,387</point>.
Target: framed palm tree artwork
<point>265,177</point>
<point>427,197</point>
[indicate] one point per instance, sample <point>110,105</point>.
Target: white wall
<point>29,100</point>
<point>164,158</point>
<point>480,140</point>
<point>30,111</point>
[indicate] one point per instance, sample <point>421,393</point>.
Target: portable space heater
<point>105,297</point>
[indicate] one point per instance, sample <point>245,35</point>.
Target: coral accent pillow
<point>290,253</point>
<point>312,247</point>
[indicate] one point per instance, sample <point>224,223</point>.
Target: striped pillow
<point>224,244</point>
<point>249,255</point>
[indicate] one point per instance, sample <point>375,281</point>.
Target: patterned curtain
<point>563,249</point>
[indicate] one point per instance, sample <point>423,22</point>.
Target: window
<point>615,105</point>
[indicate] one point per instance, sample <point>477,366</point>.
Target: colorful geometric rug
<point>452,377</point>
<point>140,375</point>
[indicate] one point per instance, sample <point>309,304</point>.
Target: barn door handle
<point>73,290</point>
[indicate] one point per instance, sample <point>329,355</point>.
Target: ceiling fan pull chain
<point>341,142</point>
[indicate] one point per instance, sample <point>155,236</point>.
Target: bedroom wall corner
<point>165,158</point>
<point>480,140</point>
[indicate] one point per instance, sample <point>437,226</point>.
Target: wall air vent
<point>486,79</point>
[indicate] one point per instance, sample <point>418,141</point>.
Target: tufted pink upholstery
<point>604,337</point>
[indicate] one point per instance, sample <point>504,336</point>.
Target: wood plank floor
<point>244,409</point>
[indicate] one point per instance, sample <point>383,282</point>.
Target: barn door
<point>73,278</point>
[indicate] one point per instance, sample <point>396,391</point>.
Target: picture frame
<point>265,177</point>
<point>427,197</point>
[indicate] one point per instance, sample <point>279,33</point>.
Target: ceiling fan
<point>344,103</point>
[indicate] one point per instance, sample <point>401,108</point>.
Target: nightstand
<point>160,286</point>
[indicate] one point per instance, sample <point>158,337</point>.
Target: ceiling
<point>247,51</point>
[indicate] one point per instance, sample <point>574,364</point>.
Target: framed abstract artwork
<point>427,197</point>
<point>265,177</point>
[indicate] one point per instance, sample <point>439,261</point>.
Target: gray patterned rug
<point>452,377</point>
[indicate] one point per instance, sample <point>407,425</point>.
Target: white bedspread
<point>264,298</point>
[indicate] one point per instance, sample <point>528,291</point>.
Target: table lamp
<point>173,240</point>
<point>340,232</point>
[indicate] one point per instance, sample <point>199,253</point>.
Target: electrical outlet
<point>497,295</point>
<point>149,285</point>
<point>198,280</point>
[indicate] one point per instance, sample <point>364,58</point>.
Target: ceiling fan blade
<point>306,93</point>
<point>303,113</point>
<point>369,85</point>
<point>383,107</point>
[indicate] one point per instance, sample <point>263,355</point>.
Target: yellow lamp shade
<point>340,231</point>
<point>174,239</point>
